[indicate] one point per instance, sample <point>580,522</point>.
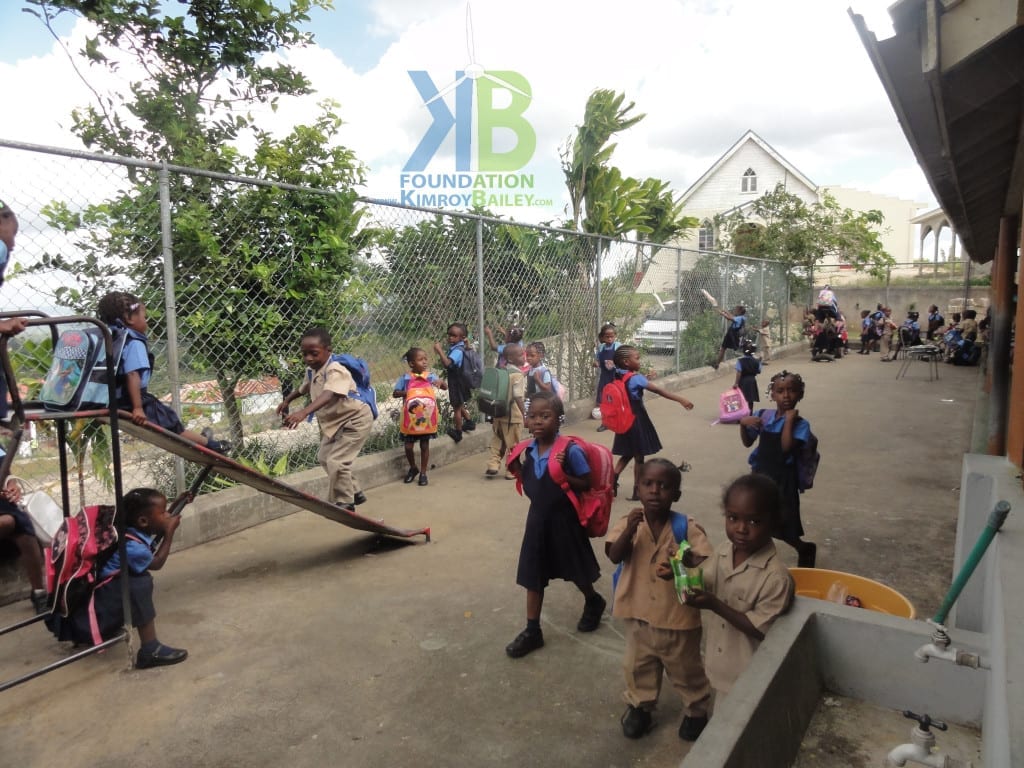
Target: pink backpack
<point>82,545</point>
<point>419,408</point>
<point>594,505</point>
<point>616,410</point>
<point>732,406</point>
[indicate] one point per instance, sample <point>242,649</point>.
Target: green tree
<point>252,264</point>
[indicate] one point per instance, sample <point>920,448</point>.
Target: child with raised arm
<point>746,585</point>
<point>419,378</point>
<point>507,429</point>
<point>125,313</point>
<point>642,439</point>
<point>779,435</point>
<point>734,334</point>
<point>458,390</point>
<point>604,361</point>
<point>555,545</point>
<point>513,338</point>
<point>345,421</point>
<point>150,531</point>
<point>661,634</point>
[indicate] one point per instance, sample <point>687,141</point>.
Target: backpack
<point>365,393</point>
<point>494,398</point>
<point>616,410</point>
<point>680,525</point>
<point>967,353</point>
<point>472,368</point>
<point>80,548</point>
<point>78,377</point>
<point>533,388</point>
<point>807,459</point>
<point>594,505</point>
<point>732,406</point>
<point>419,408</point>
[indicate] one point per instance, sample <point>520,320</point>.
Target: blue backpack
<point>680,524</point>
<point>360,375</point>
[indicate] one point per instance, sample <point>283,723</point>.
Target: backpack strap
<point>514,455</point>
<point>557,472</point>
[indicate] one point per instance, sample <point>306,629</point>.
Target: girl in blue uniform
<point>642,439</point>
<point>555,545</point>
<point>779,435</point>
<point>733,338</point>
<point>604,361</point>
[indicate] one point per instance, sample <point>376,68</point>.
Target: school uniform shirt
<point>640,593</point>
<point>334,377</point>
<point>135,357</point>
<point>139,555</point>
<point>772,421</point>
<point>402,385</point>
<point>5,255</point>
<point>761,589</point>
<point>455,354</point>
<point>516,388</point>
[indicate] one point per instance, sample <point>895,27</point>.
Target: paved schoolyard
<point>315,645</point>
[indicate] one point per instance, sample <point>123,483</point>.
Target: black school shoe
<point>468,425</point>
<point>411,475</point>
<point>635,722</point>
<point>161,656</point>
<point>359,498</point>
<point>692,727</point>
<point>454,434</point>
<point>593,610</point>
<point>219,446</point>
<point>526,642</point>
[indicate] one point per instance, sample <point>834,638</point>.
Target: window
<point>749,181</point>
<point>706,236</point>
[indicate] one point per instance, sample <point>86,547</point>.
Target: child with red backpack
<point>641,439</point>
<point>150,531</point>
<point>419,411</point>
<point>555,545</point>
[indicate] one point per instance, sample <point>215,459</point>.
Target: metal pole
<point>479,280</point>
<point>170,310</point>
<point>598,318</point>
<point>679,298</point>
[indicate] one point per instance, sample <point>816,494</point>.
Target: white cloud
<point>703,72</point>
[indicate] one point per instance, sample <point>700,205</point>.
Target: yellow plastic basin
<point>873,595</point>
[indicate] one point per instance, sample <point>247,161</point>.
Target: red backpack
<point>81,547</point>
<point>616,410</point>
<point>594,505</point>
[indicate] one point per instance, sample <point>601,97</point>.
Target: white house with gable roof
<point>750,168</point>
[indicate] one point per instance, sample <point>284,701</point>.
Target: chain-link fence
<point>233,270</point>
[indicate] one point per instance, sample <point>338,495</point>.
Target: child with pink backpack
<point>418,423</point>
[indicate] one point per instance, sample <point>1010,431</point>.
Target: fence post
<point>479,282</point>
<point>679,297</point>
<point>763,310</point>
<point>598,317</point>
<point>170,311</point>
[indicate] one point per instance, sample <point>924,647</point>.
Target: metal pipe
<point>996,518</point>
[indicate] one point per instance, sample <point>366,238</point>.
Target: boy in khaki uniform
<point>345,422</point>
<point>746,585</point>
<point>661,634</point>
<point>507,429</point>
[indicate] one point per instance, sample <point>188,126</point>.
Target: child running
<point>747,368</point>
<point>345,421</point>
<point>780,435</point>
<point>555,545</point>
<point>734,334</point>
<point>642,439</point>
<point>507,429</point>
<point>149,534</point>
<point>125,313</point>
<point>661,634</point>
<point>746,585</point>
<point>458,390</point>
<point>418,426</point>
<point>604,361</point>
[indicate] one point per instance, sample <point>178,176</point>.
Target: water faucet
<point>939,648</point>
<point>920,749</point>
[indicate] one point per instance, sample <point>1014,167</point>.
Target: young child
<point>14,325</point>
<point>764,336</point>
<point>513,338</point>
<point>345,422</point>
<point>538,377</point>
<point>555,545</point>
<point>125,313</point>
<point>661,634</point>
<point>150,531</point>
<point>747,368</point>
<point>16,525</point>
<point>935,321</point>
<point>507,428</point>
<point>867,333</point>
<point>734,335</point>
<point>458,392</point>
<point>604,361</point>
<point>746,585</point>
<point>418,370</point>
<point>642,439</point>
<point>779,435</point>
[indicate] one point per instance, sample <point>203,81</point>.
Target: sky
<point>702,71</point>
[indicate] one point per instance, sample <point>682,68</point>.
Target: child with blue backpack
<point>345,419</point>
<point>780,435</point>
<point>126,314</point>
<point>661,635</point>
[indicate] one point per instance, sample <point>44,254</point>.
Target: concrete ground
<point>311,644</point>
